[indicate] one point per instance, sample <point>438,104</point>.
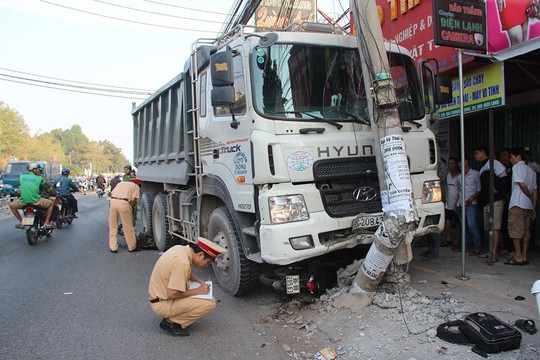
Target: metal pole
<point>462,145</point>
<point>491,186</point>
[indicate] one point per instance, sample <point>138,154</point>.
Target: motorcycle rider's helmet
<point>127,166</point>
<point>41,168</point>
<point>65,171</point>
<point>32,165</point>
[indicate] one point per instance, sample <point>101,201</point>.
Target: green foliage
<point>14,134</point>
<point>70,147</point>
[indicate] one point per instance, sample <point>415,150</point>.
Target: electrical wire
<point>186,8</point>
<point>77,91</point>
<point>77,86</point>
<point>78,82</point>
<point>130,21</point>
<point>158,13</point>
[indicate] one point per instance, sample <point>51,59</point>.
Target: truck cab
<point>263,144</point>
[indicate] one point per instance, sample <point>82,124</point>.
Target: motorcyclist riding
<point>65,186</point>
<point>100,180</point>
<point>30,188</point>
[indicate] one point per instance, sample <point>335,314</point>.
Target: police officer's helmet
<point>65,171</point>
<point>32,165</point>
<point>127,166</point>
<point>41,167</point>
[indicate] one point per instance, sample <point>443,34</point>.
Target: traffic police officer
<point>169,291</point>
<point>124,196</point>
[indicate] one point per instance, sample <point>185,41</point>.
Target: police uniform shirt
<point>172,271</point>
<point>126,190</point>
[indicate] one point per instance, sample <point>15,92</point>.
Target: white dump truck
<point>263,145</point>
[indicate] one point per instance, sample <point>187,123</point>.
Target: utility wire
<point>77,86</point>
<point>130,21</point>
<point>157,13</point>
<point>186,8</point>
<point>78,82</point>
<point>77,91</point>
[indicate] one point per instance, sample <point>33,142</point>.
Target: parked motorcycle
<point>34,224</point>
<point>65,214</point>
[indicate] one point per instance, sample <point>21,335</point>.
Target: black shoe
<point>173,328</point>
<point>135,250</point>
<point>75,216</point>
<point>114,251</point>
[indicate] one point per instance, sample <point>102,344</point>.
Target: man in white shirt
<point>450,202</point>
<point>472,190</point>
<point>522,206</point>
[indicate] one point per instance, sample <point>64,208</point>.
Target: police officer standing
<point>124,196</point>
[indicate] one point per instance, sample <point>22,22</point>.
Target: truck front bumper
<point>330,234</point>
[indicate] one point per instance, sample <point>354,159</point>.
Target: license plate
<point>28,220</point>
<point>292,284</point>
<point>366,221</point>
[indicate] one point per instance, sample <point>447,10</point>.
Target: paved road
<point>69,298</point>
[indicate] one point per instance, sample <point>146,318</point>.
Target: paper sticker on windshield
<point>300,161</point>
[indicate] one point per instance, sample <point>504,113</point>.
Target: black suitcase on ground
<point>489,333</point>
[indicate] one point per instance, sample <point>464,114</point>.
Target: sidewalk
<point>496,285</point>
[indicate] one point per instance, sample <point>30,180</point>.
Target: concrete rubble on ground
<point>400,323</point>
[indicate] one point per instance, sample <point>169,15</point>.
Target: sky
<point>44,38</point>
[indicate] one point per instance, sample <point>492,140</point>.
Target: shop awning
<point>526,52</point>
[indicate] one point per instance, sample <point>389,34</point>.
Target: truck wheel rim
<point>222,262</point>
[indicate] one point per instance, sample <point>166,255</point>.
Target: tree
<point>14,134</point>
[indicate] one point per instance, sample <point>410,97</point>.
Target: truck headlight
<point>289,208</point>
<point>431,192</point>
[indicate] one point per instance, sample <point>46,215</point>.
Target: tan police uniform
<point>173,271</point>
<point>122,196</point>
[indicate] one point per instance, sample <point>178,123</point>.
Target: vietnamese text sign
<point>272,13</point>
<point>410,24</point>
<point>460,23</point>
<point>483,88</point>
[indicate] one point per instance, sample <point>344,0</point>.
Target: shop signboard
<point>460,24</point>
<point>281,13</point>
<point>511,23</point>
<point>410,24</point>
<point>483,89</point>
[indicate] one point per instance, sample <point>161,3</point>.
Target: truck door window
<point>239,106</point>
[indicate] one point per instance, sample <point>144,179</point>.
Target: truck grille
<point>348,186</point>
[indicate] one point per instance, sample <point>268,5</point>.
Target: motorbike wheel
<point>59,222</point>
<point>32,234</point>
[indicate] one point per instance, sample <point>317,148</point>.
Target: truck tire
<point>235,273</point>
<point>147,201</point>
<point>160,224</point>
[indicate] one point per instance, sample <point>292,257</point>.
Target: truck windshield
<point>15,169</point>
<point>311,83</point>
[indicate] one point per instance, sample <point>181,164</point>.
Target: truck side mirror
<point>428,86</point>
<point>437,90</point>
<point>222,96</point>
<point>221,69</point>
<point>443,90</point>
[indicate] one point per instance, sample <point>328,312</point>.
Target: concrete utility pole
<point>394,233</point>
